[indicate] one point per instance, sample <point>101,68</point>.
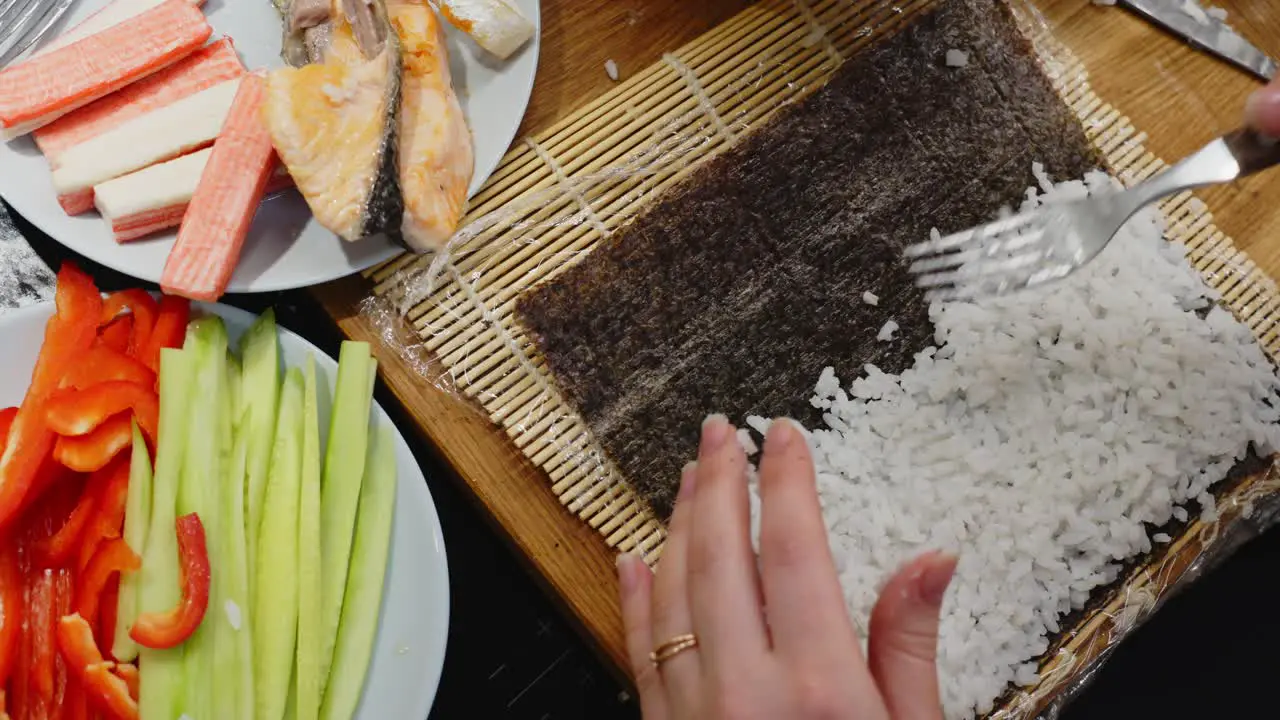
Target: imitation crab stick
<point>178,128</point>
<point>37,92</point>
<point>206,67</point>
<point>213,231</point>
<point>113,14</point>
<point>152,199</point>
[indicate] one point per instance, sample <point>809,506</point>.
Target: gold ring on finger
<point>672,648</point>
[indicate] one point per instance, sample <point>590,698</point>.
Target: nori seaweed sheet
<point>735,289</point>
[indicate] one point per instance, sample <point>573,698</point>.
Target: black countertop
<point>1213,651</point>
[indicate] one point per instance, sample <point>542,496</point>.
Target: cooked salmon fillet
<point>37,92</point>
<point>334,125</point>
<point>495,25</point>
<point>436,154</point>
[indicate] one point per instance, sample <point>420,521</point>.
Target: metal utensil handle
<point>1253,150</point>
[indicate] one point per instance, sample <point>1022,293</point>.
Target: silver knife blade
<point>1214,37</point>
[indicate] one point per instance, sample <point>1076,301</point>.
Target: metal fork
<point>24,22</point>
<point>1055,240</point>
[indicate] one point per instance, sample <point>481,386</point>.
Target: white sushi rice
<point>611,69</point>
<point>957,58</point>
<point>870,298</point>
<point>1035,441</point>
<point>886,332</point>
<point>1193,10</point>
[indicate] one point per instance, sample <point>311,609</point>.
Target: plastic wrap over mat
<point>559,193</point>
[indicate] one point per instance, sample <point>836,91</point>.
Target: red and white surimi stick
<point>218,219</point>
<point>37,92</point>
<point>155,199</point>
<point>206,67</point>
<point>176,129</point>
<point>152,199</point>
<point>115,12</point>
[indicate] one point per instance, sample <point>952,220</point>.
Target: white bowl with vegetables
<point>371,639</point>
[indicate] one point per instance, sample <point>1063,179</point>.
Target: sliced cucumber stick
<point>310,681</point>
<point>275,591</point>
<point>233,645</point>
<point>136,518</point>
<point>160,671</point>
<point>364,584</point>
<point>344,466</point>
<point>260,393</point>
<point>203,469</point>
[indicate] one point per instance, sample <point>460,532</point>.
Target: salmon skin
<point>227,197</point>
<point>37,92</point>
<point>200,70</point>
<point>335,125</point>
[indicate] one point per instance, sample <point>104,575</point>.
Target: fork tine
<point>957,241</point>
<point>19,21</point>
<point>52,15</point>
<point>5,7</point>
<point>980,270</point>
<point>974,291</point>
<point>997,248</point>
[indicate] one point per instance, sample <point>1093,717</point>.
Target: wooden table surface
<point>1178,96</point>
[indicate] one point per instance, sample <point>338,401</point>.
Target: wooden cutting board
<point>1179,96</point>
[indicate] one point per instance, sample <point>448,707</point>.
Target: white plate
<point>409,652</point>
<point>286,248</point>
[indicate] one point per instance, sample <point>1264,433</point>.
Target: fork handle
<point>1253,150</point>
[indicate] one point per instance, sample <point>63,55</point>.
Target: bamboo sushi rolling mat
<point>563,519</point>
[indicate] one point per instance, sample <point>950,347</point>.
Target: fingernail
<point>687,476</point>
<point>715,431</point>
<point>1262,111</point>
<point>936,576</point>
<point>626,571</point>
<point>782,433</point>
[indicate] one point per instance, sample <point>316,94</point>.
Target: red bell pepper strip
<point>57,548</point>
<point>12,609</point>
<point>113,557</point>
<point>68,335</point>
<point>116,334</point>
<point>108,608</point>
<point>128,672</point>
<point>19,700</point>
<point>92,452</point>
<point>169,629</point>
<point>75,706</point>
<point>106,690</point>
<point>64,597</point>
<point>6,421</point>
<point>170,329</point>
<point>103,364</point>
<point>79,412</point>
<point>107,521</point>
<point>42,618</point>
<point>141,306</point>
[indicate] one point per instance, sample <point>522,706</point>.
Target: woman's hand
<point>1262,111</point>
<point>773,637</point>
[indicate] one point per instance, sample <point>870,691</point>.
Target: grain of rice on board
<point>1035,441</point>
